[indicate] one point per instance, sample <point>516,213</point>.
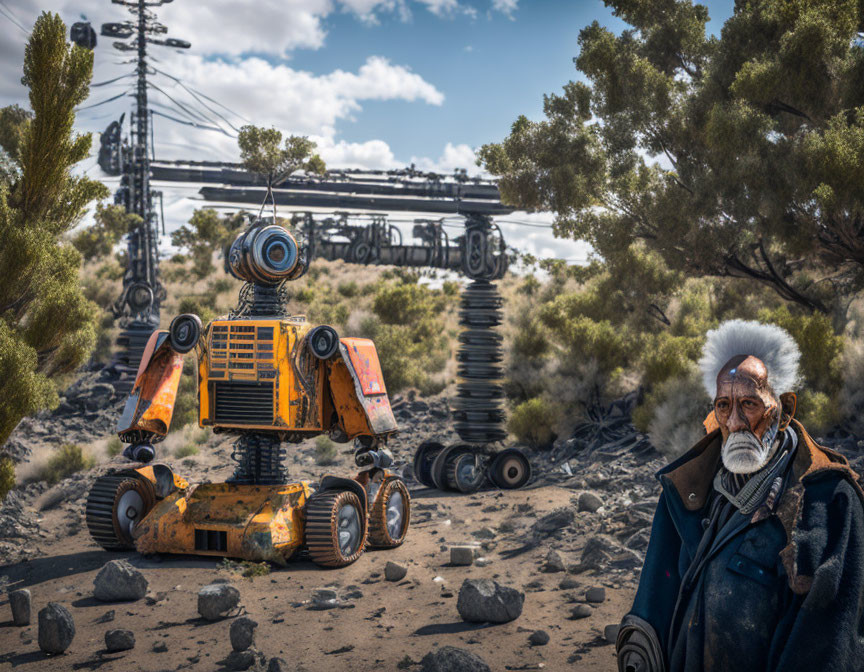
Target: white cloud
<point>454,157</point>
<point>506,7</point>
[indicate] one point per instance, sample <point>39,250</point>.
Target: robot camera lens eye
<point>277,252</point>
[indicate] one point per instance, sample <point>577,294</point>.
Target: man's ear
<point>788,405</point>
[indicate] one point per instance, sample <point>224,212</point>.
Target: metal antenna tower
<point>138,304</point>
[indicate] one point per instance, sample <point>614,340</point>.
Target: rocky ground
<point>570,545</point>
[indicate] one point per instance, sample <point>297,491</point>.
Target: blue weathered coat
<point>784,592</point>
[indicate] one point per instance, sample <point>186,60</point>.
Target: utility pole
<point>138,305</point>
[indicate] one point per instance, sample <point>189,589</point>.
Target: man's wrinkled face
<point>747,412</point>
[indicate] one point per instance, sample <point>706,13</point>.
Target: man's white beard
<point>743,453</point>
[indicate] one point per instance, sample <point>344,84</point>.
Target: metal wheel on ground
<point>439,466</point>
<point>423,458</point>
<point>510,469</point>
<point>390,515</point>
<point>335,528</point>
<point>115,504</point>
<point>463,472</point>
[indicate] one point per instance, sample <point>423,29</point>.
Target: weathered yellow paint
<point>261,522</point>
<point>265,352</point>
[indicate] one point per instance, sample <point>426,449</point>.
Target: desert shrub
<point>186,403</point>
<point>851,396</point>
<point>114,446</point>
<point>203,306</point>
<point>68,460</point>
<point>674,412</point>
<point>531,422</point>
<point>247,568</point>
<point>7,477</point>
<point>821,348</point>
<point>325,451</point>
<point>407,326</point>
<point>186,450</point>
<point>349,289</point>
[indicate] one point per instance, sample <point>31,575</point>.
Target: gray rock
<point>451,659</point>
<point>568,584</point>
<point>119,640</point>
<point>394,571</point>
<point>243,660</point>
<point>485,601</point>
<point>553,523</point>
<point>484,533</point>
<point>119,581</point>
<point>216,600</point>
<point>553,562</point>
<point>324,598</point>
<point>56,628</point>
<point>596,594</point>
<point>20,602</point>
<point>539,638</point>
<point>242,633</point>
<point>461,556</point>
<point>160,647</point>
<point>279,665</point>
<point>602,551</point>
<point>589,501</point>
<point>580,611</point>
<point>610,632</point>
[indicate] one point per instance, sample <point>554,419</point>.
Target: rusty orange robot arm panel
<point>358,391</point>
<point>150,405</point>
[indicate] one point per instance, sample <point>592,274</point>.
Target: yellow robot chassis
<point>268,378</point>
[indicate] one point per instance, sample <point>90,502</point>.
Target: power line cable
<point>192,112</point>
<point>110,81</point>
<point>193,93</point>
<point>6,14</point>
<point>192,123</point>
<point>102,102</point>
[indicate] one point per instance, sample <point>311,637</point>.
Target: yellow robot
<point>268,378</point>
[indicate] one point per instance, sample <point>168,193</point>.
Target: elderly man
<point>756,558</point>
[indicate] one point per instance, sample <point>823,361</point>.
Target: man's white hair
<point>767,342</point>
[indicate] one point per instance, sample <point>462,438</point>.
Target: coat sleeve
<point>822,629</point>
<point>660,579</point>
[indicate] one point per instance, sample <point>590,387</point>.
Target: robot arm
<point>357,389</point>
<point>150,406</point>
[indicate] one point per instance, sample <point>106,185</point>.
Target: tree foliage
<point>262,152</point>
<point>733,156</point>
<point>206,235</point>
<point>110,224</point>
<point>47,327</point>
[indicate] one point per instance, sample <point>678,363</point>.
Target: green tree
<point>111,223</point>
<point>733,156</point>
<point>262,152</point>
<point>14,120</point>
<point>206,234</point>
<point>47,327</point>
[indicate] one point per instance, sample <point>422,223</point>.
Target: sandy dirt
<point>379,625</point>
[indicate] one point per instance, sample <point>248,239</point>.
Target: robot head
<point>265,254</point>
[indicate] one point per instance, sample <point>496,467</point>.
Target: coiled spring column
<point>259,460</point>
<point>477,408</point>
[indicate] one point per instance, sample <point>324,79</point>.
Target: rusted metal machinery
<point>269,378</point>
<point>478,252</point>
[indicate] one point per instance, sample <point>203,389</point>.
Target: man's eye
<point>748,404</point>
<point>722,405</point>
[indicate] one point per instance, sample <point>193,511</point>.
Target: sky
<point>376,83</point>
